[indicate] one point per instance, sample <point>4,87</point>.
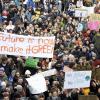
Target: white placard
<point>37,84</point>
<point>77,79</point>
<point>89,9</point>
<point>21,45</point>
<point>81,13</point>
<point>49,72</point>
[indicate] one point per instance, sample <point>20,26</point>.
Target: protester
<point>76,48</point>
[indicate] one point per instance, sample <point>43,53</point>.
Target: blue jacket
<point>30,3</point>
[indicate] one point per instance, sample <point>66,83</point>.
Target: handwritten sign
<point>77,79</point>
<point>20,45</point>
<point>37,84</point>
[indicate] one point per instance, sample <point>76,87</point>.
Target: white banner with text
<point>20,45</point>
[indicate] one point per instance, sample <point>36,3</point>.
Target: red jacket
<point>96,62</point>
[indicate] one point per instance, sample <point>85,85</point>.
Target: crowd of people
<point>76,47</point>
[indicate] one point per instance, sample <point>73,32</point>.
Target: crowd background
<point>78,49</point>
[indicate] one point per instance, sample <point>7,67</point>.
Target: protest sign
<point>94,22</point>
<point>77,79</point>
<point>81,12</point>
<point>37,84</point>
<point>49,72</point>
<point>20,45</point>
<point>90,10</point>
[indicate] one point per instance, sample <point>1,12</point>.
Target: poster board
<point>77,79</point>
<point>37,84</point>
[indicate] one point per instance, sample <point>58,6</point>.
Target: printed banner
<point>37,84</point>
<point>77,79</point>
<point>20,45</point>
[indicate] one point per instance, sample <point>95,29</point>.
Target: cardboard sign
<point>20,45</point>
<point>77,79</point>
<point>37,84</point>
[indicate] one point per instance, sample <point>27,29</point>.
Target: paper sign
<point>20,45</point>
<point>90,10</point>
<point>49,72</point>
<point>37,84</point>
<point>81,13</point>
<point>77,79</point>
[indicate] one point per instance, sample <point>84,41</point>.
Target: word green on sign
<point>32,63</point>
